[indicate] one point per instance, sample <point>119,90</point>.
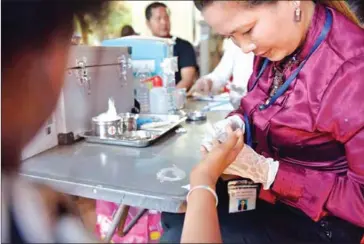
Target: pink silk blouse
<point>316,128</point>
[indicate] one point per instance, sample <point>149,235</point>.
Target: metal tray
<point>140,138</point>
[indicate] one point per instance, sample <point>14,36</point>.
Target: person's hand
<point>202,86</point>
<point>218,130</point>
<point>221,155</point>
<point>248,163</point>
<point>251,165</point>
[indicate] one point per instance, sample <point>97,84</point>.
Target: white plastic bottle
<point>159,103</point>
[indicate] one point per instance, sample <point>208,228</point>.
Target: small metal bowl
<point>196,116</point>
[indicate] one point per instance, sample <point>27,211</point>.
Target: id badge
<point>242,195</point>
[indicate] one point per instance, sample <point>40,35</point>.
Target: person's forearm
<point>201,223</point>
<point>188,76</point>
<point>222,72</point>
<point>185,84</point>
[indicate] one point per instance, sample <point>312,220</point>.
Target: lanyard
<point>290,79</point>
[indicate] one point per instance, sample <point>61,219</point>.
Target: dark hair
<point>340,6</point>
<point>357,7</point>
<point>201,4</point>
<point>150,7</point>
<point>127,30</point>
<point>31,23</point>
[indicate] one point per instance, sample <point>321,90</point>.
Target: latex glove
<point>202,86</point>
<point>218,159</point>
<point>218,130</point>
<point>236,94</point>
<point>251,165</point>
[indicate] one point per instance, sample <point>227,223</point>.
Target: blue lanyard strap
<point>293,76</point>
<point>261,71</point>
<point>249,138</point>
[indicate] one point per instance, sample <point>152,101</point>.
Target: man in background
<point>157,17</point>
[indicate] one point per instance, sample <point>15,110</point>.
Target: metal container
<point>85,95</point>
<point>106,129</point>
<point>140,138</point>
<point>196,116</point>
<point>128,122</point>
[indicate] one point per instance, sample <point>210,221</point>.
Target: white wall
<point>182,17</point>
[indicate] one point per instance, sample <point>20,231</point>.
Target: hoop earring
<point>297,14</point>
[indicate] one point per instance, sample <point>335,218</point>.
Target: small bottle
<point>159,103</point>
<point>169,67</point>
<point>142,91</point>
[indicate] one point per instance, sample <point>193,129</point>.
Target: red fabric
<point>268,196</point>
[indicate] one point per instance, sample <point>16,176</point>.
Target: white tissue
<point>110,114</point>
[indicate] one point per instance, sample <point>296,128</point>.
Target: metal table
<point>124,175</point>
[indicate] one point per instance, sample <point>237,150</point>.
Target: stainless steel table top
<point>123,174</point>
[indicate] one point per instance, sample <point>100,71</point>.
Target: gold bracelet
<point>206,188</point>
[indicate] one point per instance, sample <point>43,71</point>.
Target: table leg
<point>134,221</point>
<point>122,211</point>
<point>120,227</point>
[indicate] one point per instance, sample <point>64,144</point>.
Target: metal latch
<point>82,74</point>
<point>124,64</point>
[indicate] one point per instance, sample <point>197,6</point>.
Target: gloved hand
<point>236,94</point>
<point>251,165</point>
<point>202,86</point>
<point>218,130</point>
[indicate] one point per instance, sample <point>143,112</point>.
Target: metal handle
<point>83,76</point>
<point>124,64</point>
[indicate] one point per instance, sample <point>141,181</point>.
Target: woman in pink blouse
<point>303,118</point>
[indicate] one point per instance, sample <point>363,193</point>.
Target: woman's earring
<point>297,14</point>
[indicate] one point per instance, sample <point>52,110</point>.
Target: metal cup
<point>128,122</point>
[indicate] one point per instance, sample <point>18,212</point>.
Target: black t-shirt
<point>186,56</point>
